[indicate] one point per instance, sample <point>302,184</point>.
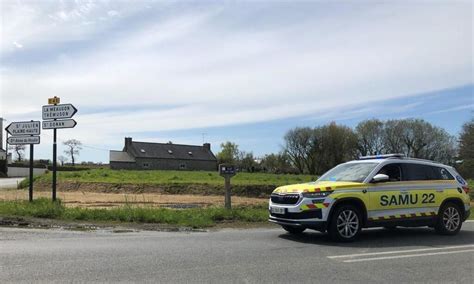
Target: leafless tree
<point>19,151</point>
<point>62,159</point>
<point>74,146</point>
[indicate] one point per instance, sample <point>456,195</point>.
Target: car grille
<point>285,199</point>
<point>303,215</point>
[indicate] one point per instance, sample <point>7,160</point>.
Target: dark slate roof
<point>170,151</point>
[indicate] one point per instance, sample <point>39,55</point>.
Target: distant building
<point>163,156</point>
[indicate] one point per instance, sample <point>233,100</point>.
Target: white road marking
<point>408,255</point>
<point>398,251</point>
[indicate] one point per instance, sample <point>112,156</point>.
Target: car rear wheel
<point>345,224</point>
<point>294,230</point>
<point>449,220</point>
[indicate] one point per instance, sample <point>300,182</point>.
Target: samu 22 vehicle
<point>374,191</point>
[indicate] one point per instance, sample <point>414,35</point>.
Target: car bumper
<point>467,213</point>
<point>316,225</point>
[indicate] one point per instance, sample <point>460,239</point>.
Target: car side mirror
<point>380,178</point>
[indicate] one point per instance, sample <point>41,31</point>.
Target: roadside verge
<point>15,212</point>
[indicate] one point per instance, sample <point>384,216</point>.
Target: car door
<point>419,182</point>
<point>385,197</point>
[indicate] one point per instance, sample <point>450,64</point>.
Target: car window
<point>442,173</point>
<point>355,172</point>
<point>424,172</point>
<point>393,171</point>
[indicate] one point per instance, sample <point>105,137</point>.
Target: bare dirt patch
<point>254,191</point>
<point>106,200</point>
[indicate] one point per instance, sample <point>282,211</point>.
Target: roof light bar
<point>386,156</point>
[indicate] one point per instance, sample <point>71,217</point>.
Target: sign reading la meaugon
<point>58,111</point>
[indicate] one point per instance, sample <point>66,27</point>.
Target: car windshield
<point>354,172</point>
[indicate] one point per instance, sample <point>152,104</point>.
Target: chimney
<point>128,143</point>
<point>207,146</point>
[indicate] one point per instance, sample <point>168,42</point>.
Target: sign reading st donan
<point>24,128</point>
<point>23,140</point>
<point>58,111</point>
<point>58,124</point>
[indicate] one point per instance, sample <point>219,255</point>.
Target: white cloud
<point>113,13</point>
<point>219,69</point>
<point>18,45</point>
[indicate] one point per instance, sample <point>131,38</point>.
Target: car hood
<point>317,186</point>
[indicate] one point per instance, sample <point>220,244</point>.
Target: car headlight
<point>319,194</point>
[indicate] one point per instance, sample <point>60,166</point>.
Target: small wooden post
<point>227,172</point>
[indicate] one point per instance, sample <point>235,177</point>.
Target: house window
<point>182,166</point>
<point>146,165</point>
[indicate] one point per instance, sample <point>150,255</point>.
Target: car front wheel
<point>345,224</point>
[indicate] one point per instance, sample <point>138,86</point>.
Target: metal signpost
<point>51,114</point>
<point>227,171</point>
<point>25,133</point>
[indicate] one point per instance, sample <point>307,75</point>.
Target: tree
<point>370,137</point>
<point>18,149</point>
<point>316,150</point>
<point>62,159</point>
<point>335,144</point>
<point>392,137</point>
<point>74,146</point>
<point>277,163</point>
<point>229,153</point>
<point>418,138</point>
<point>246,161</point>
<point>298,146</point>
<point>466,149</point>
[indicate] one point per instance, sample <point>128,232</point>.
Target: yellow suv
<point>374,191</point>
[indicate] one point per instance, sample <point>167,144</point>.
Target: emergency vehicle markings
<point>403,253</point>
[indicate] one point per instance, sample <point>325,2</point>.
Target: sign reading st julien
<point>25,133</point>
<point>22,128</point>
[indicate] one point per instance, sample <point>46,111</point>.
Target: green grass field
<point>196,217</point>
<point>174,177</point>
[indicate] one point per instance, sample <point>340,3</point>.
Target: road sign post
<point>227,172</point>
<point>24,133</point>
<point>57,116</point>
<point>30,191</point>
<point>54,164</point>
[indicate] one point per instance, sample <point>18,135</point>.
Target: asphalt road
<point>10,182</point>
<point>237,256</point>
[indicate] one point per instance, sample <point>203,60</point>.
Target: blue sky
<point>244,71</point>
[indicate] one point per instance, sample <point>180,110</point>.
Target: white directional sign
<point>24,128</point>
<point>57,124</point>
<point>23,140</point>
<point>58,111</point>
